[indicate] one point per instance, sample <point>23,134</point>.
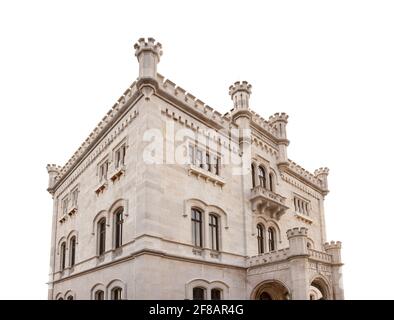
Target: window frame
<point>261,238</point>
<point>101,236</point>
<point>197,234</point>
<point>214,231</point>
<point>118,227</point>
<point>72,253</point>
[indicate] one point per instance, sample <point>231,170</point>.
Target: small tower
<point>53,172</point>
<point>322,174</point>
<point>298,239</point>
<point>279,121</point>
<point>334,248</point>
<point>240,94</point>
<point>241,115</point>
<point>148,54</point>
<point>298,262</point>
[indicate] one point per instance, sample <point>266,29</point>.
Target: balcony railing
<point>268,257</point>
<point>284,254</point>
<point>320,256</point>
<point>268,202</point>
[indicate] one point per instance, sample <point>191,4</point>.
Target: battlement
<point>240,86</point>
<point>306,175</point>
<point>192,102</point>
<point>321,171</point>
<point>53,168</point>
<point>278,117</point>
<point>295,232</point>
<point>333,245</point>
<point>150,45</point>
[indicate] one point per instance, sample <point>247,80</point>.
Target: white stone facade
<point>122,225</point>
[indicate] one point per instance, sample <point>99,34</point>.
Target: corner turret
<point>53,172</point>
<point>322,174</point>
<point>279,121</point>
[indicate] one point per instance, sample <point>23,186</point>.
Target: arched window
<point>73,244</point>
<point>271,239</point>
<point>63,256</point>
<point>262,179</point>
<point>197,227</point>
<point>265,296</point>
<point>70,297</point>
<point>214,231</point>
<point>198,293</point>
<point>271,182</point>
<point>216,294</point>
<point>101,236</point>
<point>118,227</point>
<point>60,298</point>
<point>116,293</point>
<point>99,295</point>
<point>260,238</point>
<point>253,176</point>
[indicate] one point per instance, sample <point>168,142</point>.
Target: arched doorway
<point>270,290</point>
<point>319,290</point>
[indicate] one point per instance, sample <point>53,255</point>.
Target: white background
<point>328,64</point>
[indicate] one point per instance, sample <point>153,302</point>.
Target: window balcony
<point>267,202</point>
<point>73,210</point>
<point>205,175</point>
<point>117,173</point>
<point>101,187</point>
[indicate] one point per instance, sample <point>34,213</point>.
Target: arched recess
<point>270,290</point>
<point>114,284</point>
<point>59,243</point>
<point>95,288</point>
<point>117,204</point>
<point>71,234</point>
<point>58,296</point>
<point>208,286</point>
<point>322,284</point>
<point>69,294</point>
<point>267,224</point>
<point>206,208</point>
<point>98,217</point>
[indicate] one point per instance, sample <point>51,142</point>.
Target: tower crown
<point>148,46</point>
<point>278,117</point>
<point>240,93</point>
<point>148,54</point>
<point>53,173</point>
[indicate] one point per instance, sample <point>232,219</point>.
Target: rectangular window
<point>208,164</point>
<point>197,228</point>
<point>103,171</point>
<point>74,197</point>
<point>216,165</point>
<point>120,155</point>
<point>191,154</point>
<point>65,205</point>
<point>199,161</point>
<point>214,232</point>
<point>301,206</point>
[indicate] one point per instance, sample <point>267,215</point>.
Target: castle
<point>169,199</point>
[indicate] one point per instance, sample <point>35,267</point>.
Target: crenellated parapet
<point>304,175</point>
<point>150,46</point>
<point>197,107</point>
<point>297,232</point>
<point>298,239</point>
<point>240,93</point>
<point>278,117</point>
